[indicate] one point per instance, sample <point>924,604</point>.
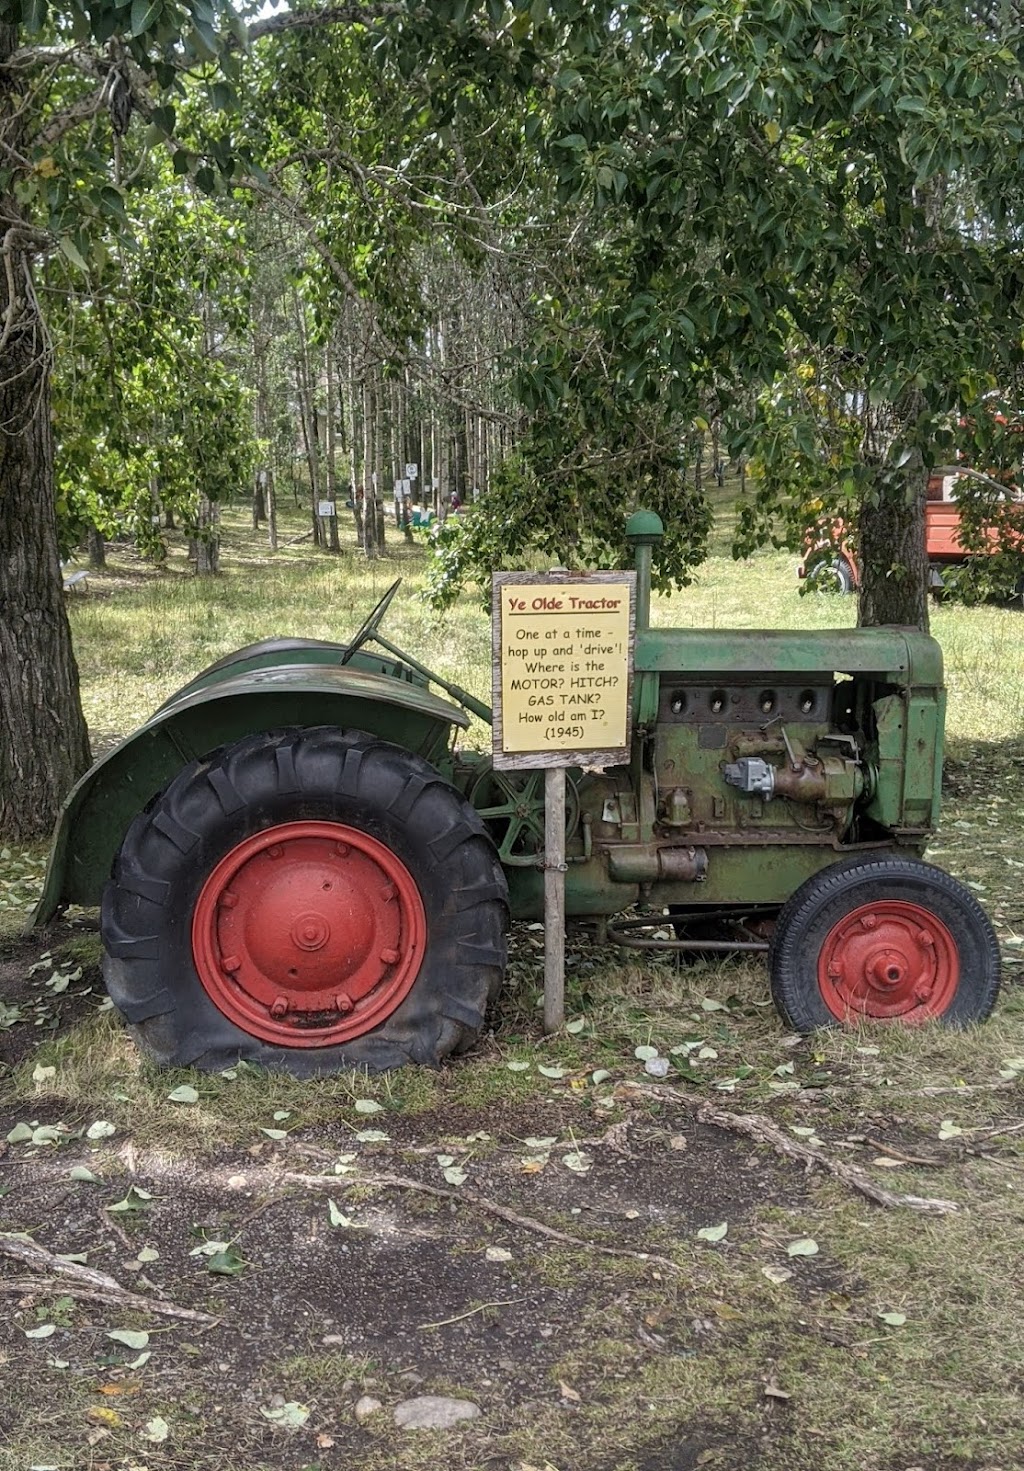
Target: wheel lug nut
<point>343,1002</point>
<point>228,900</point>
<point>275,850</point>
<point>342,850</point>
<point>279,1008</point>
<point>388,892</point>
<point>869,921</point>
<point>389,956</point>
<point>231,963</point>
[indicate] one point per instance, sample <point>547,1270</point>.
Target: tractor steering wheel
<point>371,624</point>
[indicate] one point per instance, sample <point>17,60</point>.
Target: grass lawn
<point>523,1228</point>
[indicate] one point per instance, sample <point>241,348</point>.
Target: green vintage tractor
<point>297,865</point>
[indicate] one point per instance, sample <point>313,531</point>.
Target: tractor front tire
<point>888,938</point>
<point>306,900</point>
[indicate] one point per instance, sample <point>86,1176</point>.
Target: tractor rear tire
<point>306,900</point>
<point>886,938</point>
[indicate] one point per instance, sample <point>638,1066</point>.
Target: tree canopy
<point>549,250</point>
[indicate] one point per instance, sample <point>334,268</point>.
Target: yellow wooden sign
<point>562,667</point>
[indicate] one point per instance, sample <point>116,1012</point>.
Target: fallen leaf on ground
<point>185,1094</point>
<point>567,1392</point>
<point>777,1275</point>
<point>103,1415</point>
<point>290,1416</point>
<point>577,1161</point>
<point>713,1233</point>
<point>157,1430</point>
<point>803,1246</point>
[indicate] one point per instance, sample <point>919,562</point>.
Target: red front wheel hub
<point>890,959</point>
<point>309,933</point>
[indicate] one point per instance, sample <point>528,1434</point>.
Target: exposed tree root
<point>85,1282</point>
<point>481,1203</point>
<point>755,1126</point>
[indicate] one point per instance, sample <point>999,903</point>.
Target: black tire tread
<point>285,776</point>
<point>790,960</point>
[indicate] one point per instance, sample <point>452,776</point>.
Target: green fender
<point>202,717</point>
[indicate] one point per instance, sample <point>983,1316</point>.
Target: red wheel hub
<point>308,933</point>
<point>890,959</point>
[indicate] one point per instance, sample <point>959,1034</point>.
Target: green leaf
<point>368,1105</point>
<point>33,13</point>
<point>130,1337</point>
<point>164,118</point>
<point>226,1263</point>
<point>803,1246</point>
<point>144,13</point>
<point>71,252</point>
<point>895,1320</point>
<point>713,1233</point>
<point>112,203</point>
<point>223,97</point>
<point>915,105</point>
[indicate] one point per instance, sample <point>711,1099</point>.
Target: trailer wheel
<point>830,573</point>
<point>887,938</point>
<point>308,900</point>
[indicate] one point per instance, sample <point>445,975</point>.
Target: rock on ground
<point>434,1412</point>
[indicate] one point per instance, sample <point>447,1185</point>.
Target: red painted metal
<point>889,959</point>
<point>308,933</point>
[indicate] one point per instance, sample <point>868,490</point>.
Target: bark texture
<point>44,744</point>
<point>894,564</point>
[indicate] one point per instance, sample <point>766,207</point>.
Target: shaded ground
<point>403,1299</point>
<point>351,1266</point>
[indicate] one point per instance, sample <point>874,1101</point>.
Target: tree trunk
<point>370,474</point>
<point>44,744</point>
<point>206,542</point>
<point>891,545</point>
<point>97,547</point>
<point>271,511</point>
<point>259,509</point>
<point>332,472</point>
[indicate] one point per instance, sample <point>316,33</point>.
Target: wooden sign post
<point>562,675</point>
